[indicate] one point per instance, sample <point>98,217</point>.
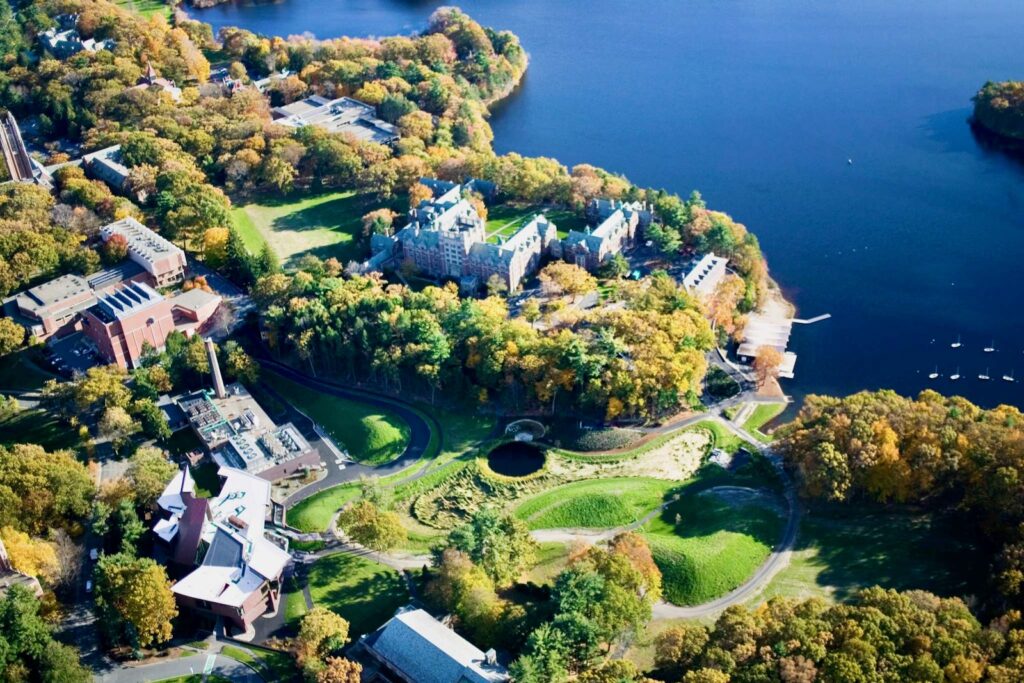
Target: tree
<point>339,670</point>
<point>496,285</point>
<point>29,556</point>
<point>29,650</point>
<point>321,634</point>
<point>367,525</point>
<point>499,543</point>
<point>419,193</point>
<point>40,490</point>
<point>12,336</point>
<point>561,278</point>
<point>615,267</point>
<point>678,648</point>
<point>215,244</point>
<point>134,599</point>
<point>380,221</point>
<point>117,426</point>
<point>766,364</point>
<point>115,249</point>
<point>238,364</point>
<point>149,470</point>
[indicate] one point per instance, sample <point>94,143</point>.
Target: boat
<point>984,376</point>
<point>1009,378</point>
<point>956,344</point>
<point>956,375</point>
<point>991,347</point>
<point>934,373</point>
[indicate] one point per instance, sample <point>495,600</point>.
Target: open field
<point>365,593</point>
<point>594,503</point>
<point>325,224</point>
<point>146,8</point>
<point>370,435</point>
<point>842,549</point>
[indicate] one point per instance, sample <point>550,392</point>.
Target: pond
<point>516,459</point>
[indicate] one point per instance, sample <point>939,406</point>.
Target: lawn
<point>363,592</point>
<point>724,438</point>
<point>503,220</point>
<point>841,549</point>
<point>18,372</point>
<point>551,560</point>
<point>38,427</point>
<point>208,483</point>
<point>325,224</point>
<point>594,503</point>
<point>707,544</point>
<point>370,435</point>
<point>294,601</point>
<point>762,415</point>
<point>315,512</point>
<point>146,8</point>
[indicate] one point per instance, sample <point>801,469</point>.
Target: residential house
<point>152,81</point>
<point>63,40</point>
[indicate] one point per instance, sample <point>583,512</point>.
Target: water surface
<point>759,104</point>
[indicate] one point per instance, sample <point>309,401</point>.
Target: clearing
<point>325,224</point>
<point>363,592</point>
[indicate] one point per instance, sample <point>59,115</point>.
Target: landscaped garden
<point>595,503</point>
<point>325,224</point>
<point>370,435</point>
<point>504,220</point>
<point>363,592</point>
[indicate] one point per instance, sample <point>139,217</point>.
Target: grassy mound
<point>594,503</point>
<point>371,436</point>
<point>706,546</point>
<point>363,592</point>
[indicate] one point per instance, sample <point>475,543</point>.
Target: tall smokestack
<point>218,381</point>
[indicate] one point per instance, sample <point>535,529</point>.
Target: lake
<point>759,104</point>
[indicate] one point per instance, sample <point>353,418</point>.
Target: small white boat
<point>934,374</point>
<point>956,344</point>
<point>984,376</point>
<point>1009,378</point>
<point>991,347</point>
<point>956,375</point>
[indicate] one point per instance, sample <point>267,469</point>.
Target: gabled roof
<point>424,650</point>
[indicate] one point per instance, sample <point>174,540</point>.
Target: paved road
<point>183,666</point>
<point>419,431</point>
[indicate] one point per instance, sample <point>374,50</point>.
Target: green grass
<point>551,560</point>
<point>325,224</point>
<point>566,220</point>
<point>842,549</point>
<point>762,415</point>
<point>315,512</point>
<point>294,602</point>
<point>363,592</point>
<point>18,372</point>
<point>724,438</point>
<point>503,220</point>
<point>370,435</point>
<point>271,665</point>
<point>594,503</point>
<point>715,545</point>
<point>38,427</point>
<point>146,8</point>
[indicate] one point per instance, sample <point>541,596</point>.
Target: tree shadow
<point>365,602</point>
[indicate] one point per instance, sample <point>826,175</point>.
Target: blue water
<point>759,104</point>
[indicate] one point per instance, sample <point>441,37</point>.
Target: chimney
<point>218,381</point>
<point>491,657</point>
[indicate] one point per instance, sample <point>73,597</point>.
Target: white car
<point>94,554</point>
<point>88,586</point>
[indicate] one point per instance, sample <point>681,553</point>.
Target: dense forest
<point>999,107</point>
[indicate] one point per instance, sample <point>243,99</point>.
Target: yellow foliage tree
<point>30,556</point>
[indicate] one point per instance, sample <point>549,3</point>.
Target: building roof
<point>424,650</point>
<point>144,245</point>
<point>125,301</point>
<point>194,299</point>
<point>51,294</point>
<point>341,115</point>
<point>126,270</point>
<point>705,274</point>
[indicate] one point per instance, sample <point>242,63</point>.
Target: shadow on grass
<point>859,546</point>
<point>363,592</point>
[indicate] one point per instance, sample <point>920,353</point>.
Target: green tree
<point>498,543</point>
<point>149,470</point>
<point>29,651</point>
<point>134,601</point>
<point>12,336</point>
<point>322,633</point>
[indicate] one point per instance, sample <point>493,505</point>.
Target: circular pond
<point>516,459</point>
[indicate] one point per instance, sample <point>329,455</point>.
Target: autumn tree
<point>766,364</point>
<point>372,527</point>
<point>321,634</point>
<point>500,544</point>
<point>419,193</point>
<point>34,557</point>
<point>12,336</point>
<point>339,670</point>
<point>560,278</point>
<point>134,601</point>
<point>148,471</point>
<point>41,490</point>
<point>115,249</point>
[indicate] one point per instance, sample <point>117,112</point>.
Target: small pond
<point>516,459</point>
